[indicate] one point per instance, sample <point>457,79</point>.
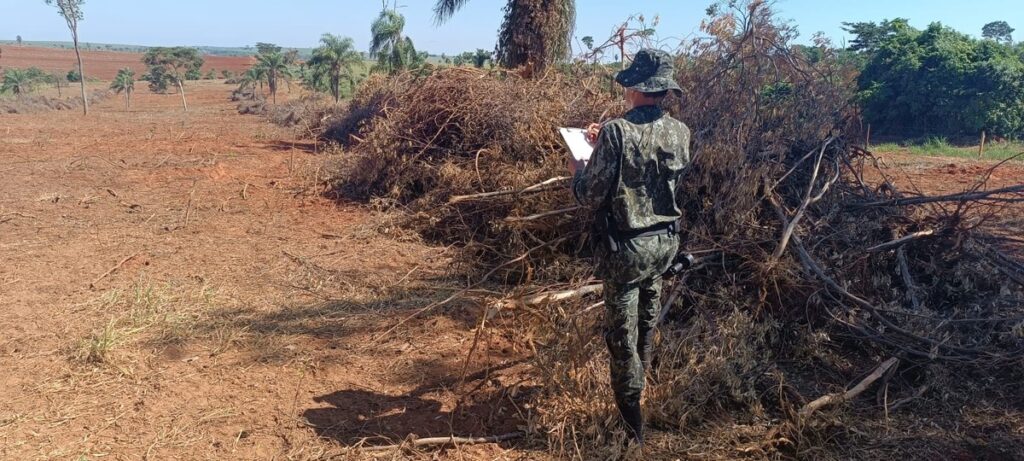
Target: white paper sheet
<point>576,141</point>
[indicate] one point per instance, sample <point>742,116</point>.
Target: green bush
<point>941,82</point>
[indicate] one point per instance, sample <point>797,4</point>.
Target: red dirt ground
<point>944,175</point>
<point>243,308</point>
<point>101,64</point>
<point>271,352</point>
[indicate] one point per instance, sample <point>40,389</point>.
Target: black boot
<point>634,419</point>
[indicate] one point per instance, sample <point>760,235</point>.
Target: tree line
<point>938,81</point>
<point>910,82</point>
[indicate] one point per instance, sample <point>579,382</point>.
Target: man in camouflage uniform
<point>630,184</point>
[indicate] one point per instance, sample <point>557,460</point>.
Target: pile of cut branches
<point>475,158</point>
<point>811,277</point>
<point>40,103</point>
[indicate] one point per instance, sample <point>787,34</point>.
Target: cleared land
<point>101,64</point>
<point>175,286</point>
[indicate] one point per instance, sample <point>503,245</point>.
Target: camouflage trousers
<point>632,295</point>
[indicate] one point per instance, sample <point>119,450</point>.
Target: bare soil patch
<point>237,314</point>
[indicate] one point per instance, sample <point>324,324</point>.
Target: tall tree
<point>174,63</point>
<point>394,51</point>
<point>71,11</point>
<point>276,68</point>
<point>124,82</point>
<point>535,33</point>
<point>999,31</point>
<point>869,36</point>
<point>335,59</point>
<point>18,39</point>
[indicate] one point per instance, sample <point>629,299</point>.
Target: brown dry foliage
<point>464,131</point>
<point>38,103</point>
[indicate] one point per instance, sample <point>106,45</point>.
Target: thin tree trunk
<point>181,89</point>
<point>336,86</point>
<point>81,70</point>
<point>272,85</point>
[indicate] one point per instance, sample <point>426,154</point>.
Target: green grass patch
<point>940,147</point>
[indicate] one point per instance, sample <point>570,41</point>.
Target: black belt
<point>657,229</point>
<point>616,236</point>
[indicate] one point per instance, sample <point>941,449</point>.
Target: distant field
<point>100,64</point>
<point>210,50</point>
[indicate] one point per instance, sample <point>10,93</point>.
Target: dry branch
<point>809,198</point>
<point>112,269</point>
<point>413,442</point>
<point>550,184</point>
<point>908,279</point>
<point>991,195</point>
<point>469,288</point>
<point>840,397</point>
<point>542,215</point>
<point>901,241</point>
<point>556,296</point>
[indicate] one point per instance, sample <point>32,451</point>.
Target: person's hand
<point>593,130</point>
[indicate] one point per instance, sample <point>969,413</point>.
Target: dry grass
<point>145,316</point>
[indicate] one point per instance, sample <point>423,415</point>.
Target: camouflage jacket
<point>635,168</point>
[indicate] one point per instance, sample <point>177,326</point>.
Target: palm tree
<point>394,52</point>
<point>335,57</point>
<point>481,57</point>
<point>124,82</point>
<point>274,66</point>
<point>18,81</point>
<point>252,77</point>
<point>535,33</point>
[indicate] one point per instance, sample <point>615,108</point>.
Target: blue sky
<point>299,23</point>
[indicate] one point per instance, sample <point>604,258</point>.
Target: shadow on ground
<point>285,146</point>
<point>367,418</point>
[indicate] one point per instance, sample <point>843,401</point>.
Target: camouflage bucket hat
<point>652,71</point>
